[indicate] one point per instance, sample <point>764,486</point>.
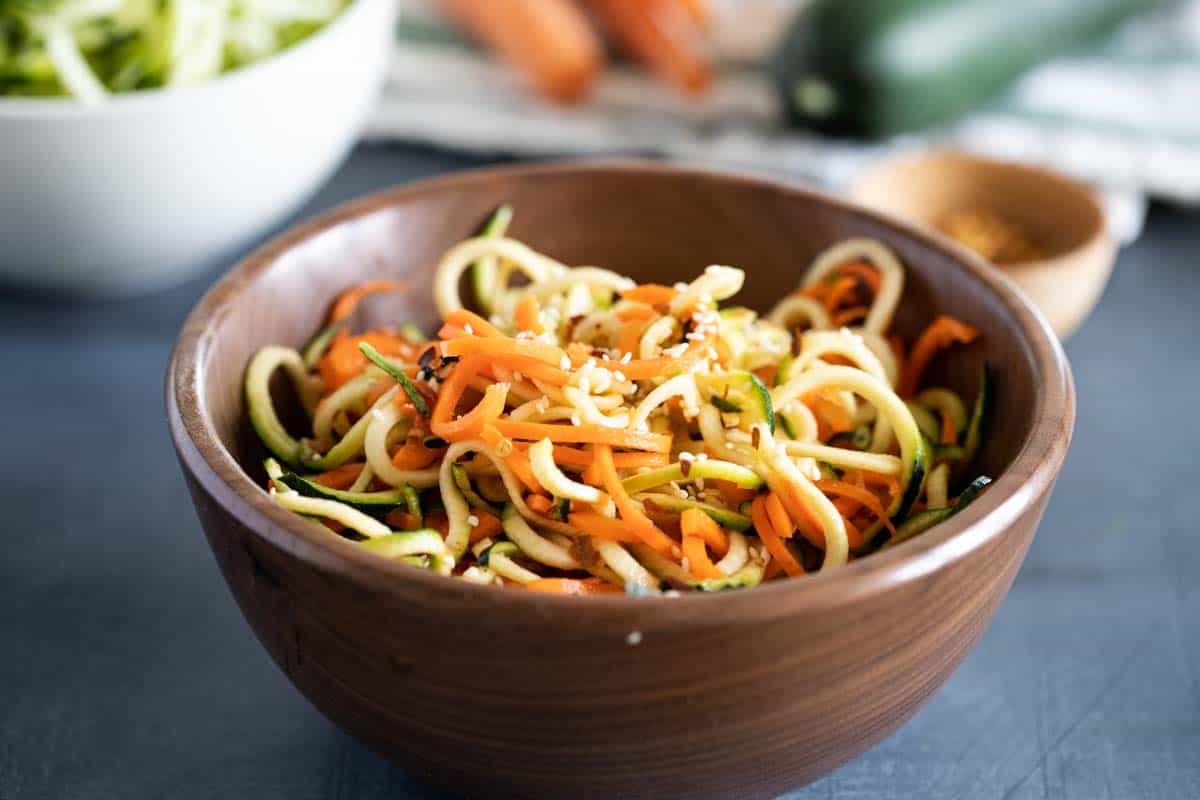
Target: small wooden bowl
<point>1064,218</point>
<point>506,693</point>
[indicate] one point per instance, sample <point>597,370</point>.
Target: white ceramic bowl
<point>141,191</point>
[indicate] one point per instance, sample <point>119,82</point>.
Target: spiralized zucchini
<point>593,435</point>
<point>90,49</point>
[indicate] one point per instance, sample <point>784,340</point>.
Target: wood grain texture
<point>560,706</point>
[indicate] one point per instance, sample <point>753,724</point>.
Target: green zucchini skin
<point>866,68</point>
<point>919,523</point>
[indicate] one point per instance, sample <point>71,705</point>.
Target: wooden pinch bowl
<point>1064,217</point>
<point>495,692</point>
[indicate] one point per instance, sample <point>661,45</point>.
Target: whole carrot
<point>549,40</point>
<point>662,33</point>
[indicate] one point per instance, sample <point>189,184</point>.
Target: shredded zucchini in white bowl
<point>192,141</point>
<point>89,49</point>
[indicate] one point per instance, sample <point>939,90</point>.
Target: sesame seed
<point>468,329</point>
<point>634,638</point>
<point>625,359</point>
<point>564,362</point>
<point>473,520</point>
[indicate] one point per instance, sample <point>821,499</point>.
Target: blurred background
<point>146,145</point>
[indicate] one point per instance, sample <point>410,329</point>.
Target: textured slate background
<point>126,671</point>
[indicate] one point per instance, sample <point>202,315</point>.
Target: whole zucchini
<point>878,67</point>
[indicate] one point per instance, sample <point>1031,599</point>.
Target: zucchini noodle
<point>590,434</point>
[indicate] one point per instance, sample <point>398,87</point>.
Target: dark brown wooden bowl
<point>494,692</point>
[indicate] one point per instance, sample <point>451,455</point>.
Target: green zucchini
<point>980,415</point>
<point>871,68</point>
<point>924,520</point>
<point>948,404</point>
<point>930,427</point>
<point>742,477</point>
<point>262,409</point>
<point>381,361</point>
<point>741,393</point>
<point>377,504</point>
<point>786,370</point>
<point>745,578</point>
<point>463,482</point>
<point>484,272</point>
<point>722,516</point>
<point>412,333</point>
<point>406,543</point>
<point>317,346</point>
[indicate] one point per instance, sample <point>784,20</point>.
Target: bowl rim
<point>1012,494</point>
<point>60,107</point>
<point>1069,188</point>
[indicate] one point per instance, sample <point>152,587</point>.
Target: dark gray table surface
<point>127,672</point>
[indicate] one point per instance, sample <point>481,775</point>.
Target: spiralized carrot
<point>472,324</point>
<point>487,526</point>
<point>587,434</point>
<point>571,586</point>
<point>603,527</point>
<point>415,455</point>
<point>347,303</point>
<point>528,367</point>
<point>782,524</point>
<point>629,512</point>
<point>539,503</point>
<point>863,272</point>
<point>452,390</point>
<point>518,462</point>
<point>941,333</point>
<point>340,477</point>
<point>699,564</point>
<point>868,500</point>
<point>694,522</point>
<point>774,544</point>
<point>498,346</point>
<point>570,457</point>
<point>526,314</point>
<point>841,290</point>
<point>344,361</point>
<point>652,294</point>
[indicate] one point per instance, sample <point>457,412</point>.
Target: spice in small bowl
<point>1044,230</point>
<point>992,236</point>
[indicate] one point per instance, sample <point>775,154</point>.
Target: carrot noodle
<point>941,333</point>
<point>609,436</point>
<point>348,302</point>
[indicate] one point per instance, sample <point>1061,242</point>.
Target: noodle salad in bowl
<point>579,433</point>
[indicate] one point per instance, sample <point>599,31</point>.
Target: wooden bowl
<point>489,691</point>
<point>1064,217</point>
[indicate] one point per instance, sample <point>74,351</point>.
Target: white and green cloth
<point>1124,115</point>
